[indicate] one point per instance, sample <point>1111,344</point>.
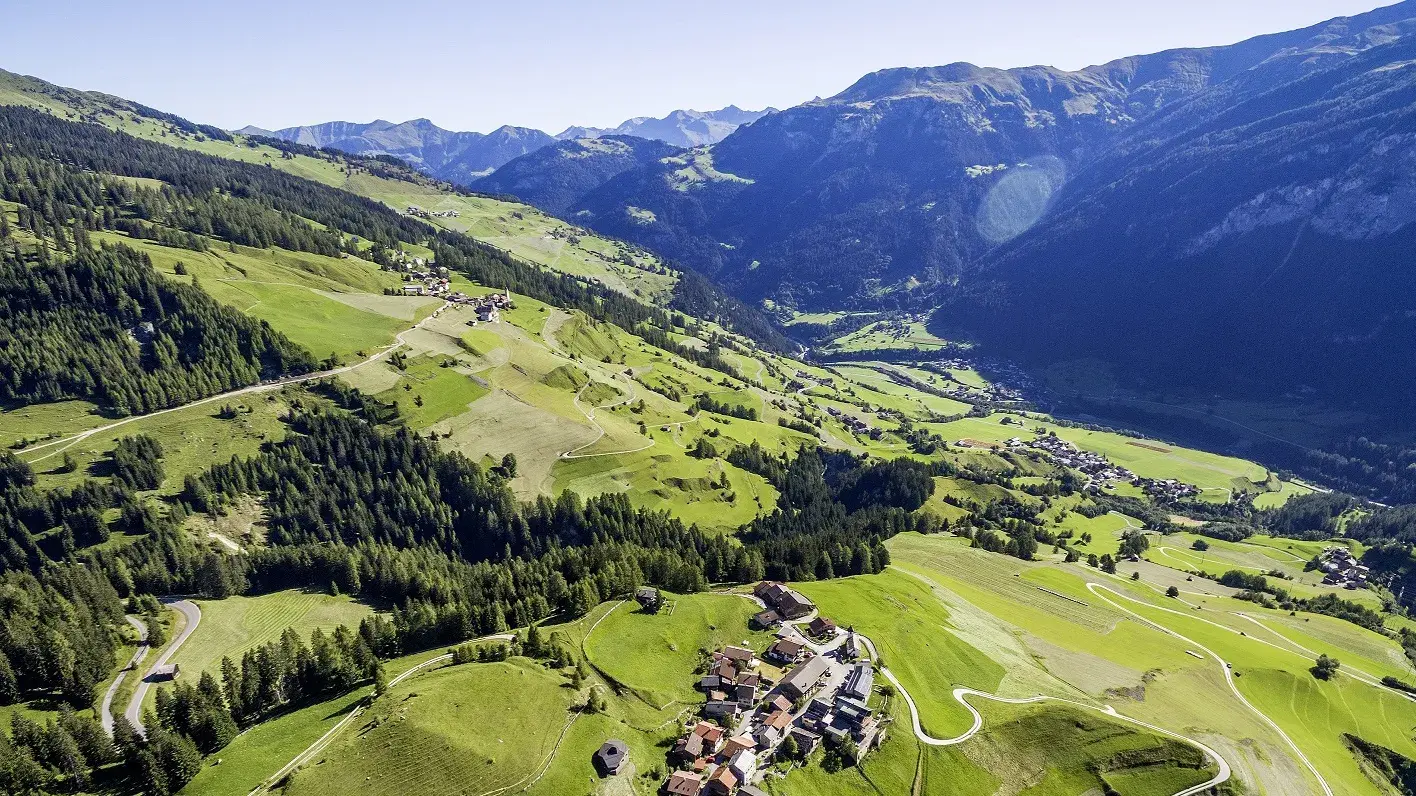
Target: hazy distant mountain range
<point>1242,216</point>
<point>463,157</point>
<point>680,128</point>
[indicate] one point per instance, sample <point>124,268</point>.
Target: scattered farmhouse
<point>167,671</point>
<point>788,603</point>
<point>611,757</point>
<point>649,598</point>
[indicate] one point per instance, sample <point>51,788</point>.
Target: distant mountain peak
<point>684,127</point>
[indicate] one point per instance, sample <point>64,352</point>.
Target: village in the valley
<point>1341,568</point>
<point>422,278</point>
<point>814,685</point>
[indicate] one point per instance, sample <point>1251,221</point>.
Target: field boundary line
<point>1224,666</point>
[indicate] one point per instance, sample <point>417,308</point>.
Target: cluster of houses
<point>421,278</point>
<point>487,306</point>
<point>747,716</point>
<point>823,694</point>
<point>855,424</point>
<point>1164,489</point>
<point>418,212</point>
<point>720,759</point>
<point>1096,467</point>
<point>1340,568</point>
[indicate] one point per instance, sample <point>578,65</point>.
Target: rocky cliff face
<point>683,128</point>
<point>1253,237</point>
<point>465,157</point>
<point>890,186</point>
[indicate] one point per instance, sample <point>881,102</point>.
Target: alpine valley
<point>970,431</point>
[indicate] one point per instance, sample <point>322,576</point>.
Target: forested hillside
<point>104,327</point>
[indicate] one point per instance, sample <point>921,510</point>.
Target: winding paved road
<point>189,609</point>
<point>105,711</point>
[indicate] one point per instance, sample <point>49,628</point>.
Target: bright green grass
<point>192,438</point>
<point>39,421</point>
<point>887,335</point>
<point>470,728</point>
<point>588,338</point>
<point>662,477</point>
<point>262,750</point>
<point>1314,713</point>
<point>654,655</point>
<point>231,626</point>
<point>1287,489</point>
<point>1031,749</point>
<point>1073,751</point>
<point>972,492</point>
<point>481,342</point>
<point>1206,470</point>
<point>322,325</point>
<point>821,318</point>
<point>531,235</point>
<point>911,631</point>
<point>987,581</point>
<point>444,391</point>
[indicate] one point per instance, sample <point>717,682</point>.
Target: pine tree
<point>9,686</point>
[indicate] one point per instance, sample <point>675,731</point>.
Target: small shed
<point>168,671</point>
<point>649,598</point>
<point>611,757</point>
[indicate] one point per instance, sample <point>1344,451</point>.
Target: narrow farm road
<point>266,386</point>
<point>1097,588</point>
<point>1221,776</point>
<point>193,614</point>
<point>105,710</point>
<point>630,397</point>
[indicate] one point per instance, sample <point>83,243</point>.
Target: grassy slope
<point>459,727</point>
<point>236,624</point>
<point>655,654</point>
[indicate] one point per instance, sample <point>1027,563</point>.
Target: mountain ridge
<point>462,157</point>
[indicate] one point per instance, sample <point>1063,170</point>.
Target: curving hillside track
<point>193,615</point>
<point>1097,589</point>
<point>105,710</point>
<point>960,694</point>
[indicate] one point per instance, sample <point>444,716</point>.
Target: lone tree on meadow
<point>1325,668</point>
<point>1172,592</point>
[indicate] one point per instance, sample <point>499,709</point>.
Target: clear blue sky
<point>475,65</point>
